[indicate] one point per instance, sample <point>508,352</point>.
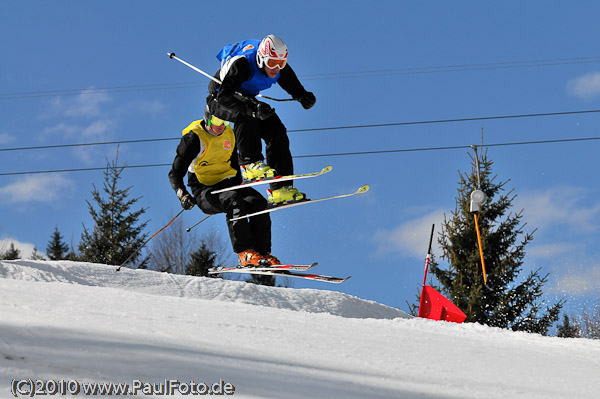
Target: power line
<point>321,76</point>
<point>580,139</point>
<point>456,147</point>
<point>110,89</point>
<point>455,68</point>
<point>45,147</point>
<point>80,169</point>
<point>482,118</point>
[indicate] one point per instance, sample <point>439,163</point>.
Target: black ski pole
<point>144,244</point>
<point>428,257</point>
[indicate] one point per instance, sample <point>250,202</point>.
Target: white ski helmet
<point>272,52</point>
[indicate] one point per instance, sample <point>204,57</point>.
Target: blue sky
<point>390,62</point>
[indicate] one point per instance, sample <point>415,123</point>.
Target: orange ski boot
<point>250,257</point>
<point>270,260</point>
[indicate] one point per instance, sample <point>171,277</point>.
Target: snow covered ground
<point>87,323</point>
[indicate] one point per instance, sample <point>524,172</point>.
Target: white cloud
<point>98,129</point>
<point>410,238</point>
<point>6,138</point>
<point>552,251</point>
<point>580,282</point>
<point>151,107</point>
<point>47,188</point>
<point>585,87</point>
<point>62,129</point>
<point>561,206</point>
<point>87,104</point>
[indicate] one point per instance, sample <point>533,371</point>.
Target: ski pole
<point>173,57</point>
<point>478,198</point>
<point>144,244</point>
<point>427,260</point>
<point>428,257</point>
<point>189,228</point>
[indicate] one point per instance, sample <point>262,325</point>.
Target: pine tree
<point>35,255</point>
<point>57,249</point>
<point>591,323</point>
<point>504,302</point>
<point>11,254</point>
<point>116,234</point>
<point>200,261</point>
<point>569,329</point>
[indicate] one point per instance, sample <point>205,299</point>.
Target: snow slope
<point>85,322</point>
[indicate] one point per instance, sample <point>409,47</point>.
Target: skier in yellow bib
<point>207,154</point>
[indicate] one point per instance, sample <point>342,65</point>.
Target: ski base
<point>281,270</point>
<point>361,190</point>
<point>276,179</point>
<point>306,276</point>
<point>245,269</point>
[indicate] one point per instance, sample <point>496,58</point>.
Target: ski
<point>288,273</point>
<point>244,269</point>
<point>275,179</point>
<point>361,190</point>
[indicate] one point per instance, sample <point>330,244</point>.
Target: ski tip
<point>327,169</point>
<point>339,280</point>
<point>314,264</point>
<point>363,189</point>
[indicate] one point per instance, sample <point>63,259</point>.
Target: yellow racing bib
<point>213,164</point>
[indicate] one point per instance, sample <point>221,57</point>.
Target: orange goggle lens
<point>276,62</point>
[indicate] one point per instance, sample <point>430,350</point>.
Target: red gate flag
<point>435,306</point>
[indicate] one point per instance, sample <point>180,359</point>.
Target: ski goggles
<point>214,121</point>
<point>276,63</point>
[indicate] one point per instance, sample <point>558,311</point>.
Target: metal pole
<point>474,147</point>
<point>428,257</point>
<point>427,260</point>
<point>172,56</point>
<point>189,228</point>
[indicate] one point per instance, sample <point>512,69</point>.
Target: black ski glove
<point>259,110</point>
<point>187,201</point>
<point>308,100</point>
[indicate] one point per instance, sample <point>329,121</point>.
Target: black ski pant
<point>248,135</point>
<point>249,233</point>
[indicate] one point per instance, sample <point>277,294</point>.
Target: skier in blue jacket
<point>249,67</point>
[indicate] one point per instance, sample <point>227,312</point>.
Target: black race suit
<point>248,130</point>
<point>254,232</point>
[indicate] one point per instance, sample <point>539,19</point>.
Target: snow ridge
<point>150,282</point>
